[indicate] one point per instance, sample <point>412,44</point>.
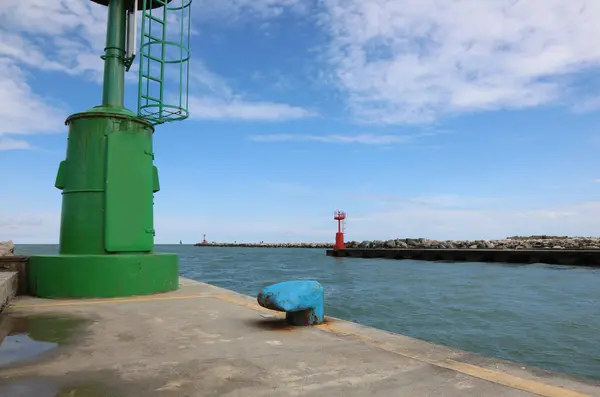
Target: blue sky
<point>420,118</point>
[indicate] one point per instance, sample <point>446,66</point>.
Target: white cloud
<point>43,228</point>
<point>68,36</point>
<point>210,83</point>
<point>212,98</point>
<point>444,201</point>
<point>463,223</point>
<point>21,110</point>
<point>208,108</point>
<point>587,105</point>
<point>235,10</point>
<point>48,36</point>
<point>29,227</point>
<point>54,35</point>
<point>13,144</point>
<point>416,60</point>
<point>364,139</point>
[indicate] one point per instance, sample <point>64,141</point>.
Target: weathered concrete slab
<point>206,341</point>
<point>13,263</point>
<point>582,257</point>
<point>8,288</point>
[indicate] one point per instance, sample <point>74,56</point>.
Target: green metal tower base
<point>102,276</point>
<point>107,234</point>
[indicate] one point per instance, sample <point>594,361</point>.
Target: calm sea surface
<point>542,315</point>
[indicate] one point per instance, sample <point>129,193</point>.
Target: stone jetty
<point>10,266</point>
<point>266,245</point>
<point>7,248</point>
<point>9,278</point>
<point>510,243</point>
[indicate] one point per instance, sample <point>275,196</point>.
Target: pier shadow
<point>271,324</point>
<point>280,324</point>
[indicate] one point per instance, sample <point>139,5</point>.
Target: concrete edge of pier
<point>589,258</point>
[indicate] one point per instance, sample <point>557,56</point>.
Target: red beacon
<point>340,217</point>
<point>204,239</point>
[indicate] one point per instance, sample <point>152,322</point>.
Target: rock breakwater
<point>7,248</point>
<point>511,243</point>
<point>267,245</point>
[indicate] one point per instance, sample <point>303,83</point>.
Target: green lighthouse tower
<point>108,179</point>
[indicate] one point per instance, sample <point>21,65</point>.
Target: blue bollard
<point>301,300</point>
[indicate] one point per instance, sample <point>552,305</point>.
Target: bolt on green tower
<point>108,178</point>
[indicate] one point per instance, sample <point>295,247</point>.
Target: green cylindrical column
<point>114,55</point>
<point>81,179</point>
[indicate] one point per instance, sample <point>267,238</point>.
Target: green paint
<point>82,177</point>
<point>114,55</point>
<point>129,188</point>
<point>102,276</point>
<point>107,184</point>
<point>107,181</point>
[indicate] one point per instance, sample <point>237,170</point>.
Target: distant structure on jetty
<point>580,251</point>
<point>266,245</point>
<point>340,217</point>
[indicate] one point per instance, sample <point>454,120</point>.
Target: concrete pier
<point>589,258</point>
<point>206,341</point>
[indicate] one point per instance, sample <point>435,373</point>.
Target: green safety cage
<point>164,56</point>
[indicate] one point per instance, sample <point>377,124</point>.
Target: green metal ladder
<point>153,104</point>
